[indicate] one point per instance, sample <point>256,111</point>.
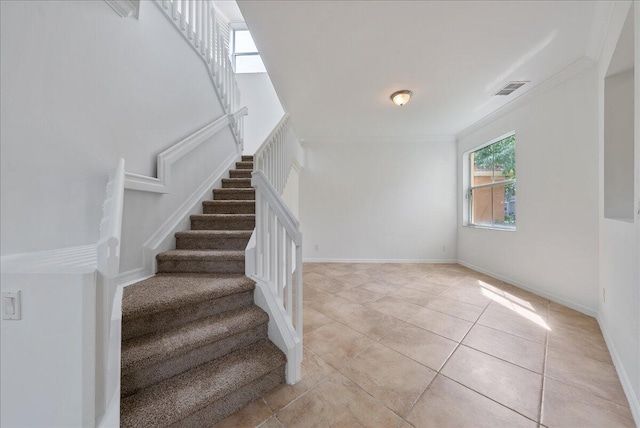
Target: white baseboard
<point>554,298</point>
<point>132,276</point>
<point>332,260</point>
<point>634,403</point>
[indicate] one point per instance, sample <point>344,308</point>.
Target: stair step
<point>236,194</point>
<point>236,183</point>
<point>207,393</point>
<point>247,158</point>
<point>229,207</point>
<point>201,261</point>
<point>244,165</point>
<point>153,358</point>
<point>223,221</point>
<point>166,301</point>
<point>213,239</point>
<point>240,173</point>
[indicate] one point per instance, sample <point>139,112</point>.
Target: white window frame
<point>467,203</point>
<point>239,26</point>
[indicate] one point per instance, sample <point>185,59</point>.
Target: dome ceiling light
<point>402,97</point>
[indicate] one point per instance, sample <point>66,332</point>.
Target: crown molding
<point>425,139</point>
<point>599,26</point>
<point>544,86</point>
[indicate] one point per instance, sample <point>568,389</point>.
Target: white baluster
<point>298,323</point>
<point>259,232</point>
<point>165,4</point>
<point>192,19</point>
<point>288,273</point>
<point>183,14</point>
<point>279,273</point>
<point>174,10</point>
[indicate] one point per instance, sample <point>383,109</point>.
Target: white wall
<point>554,250</point>
<point>265,110</point>
<point>379,201</point>
<point>47,356</point>
<point>618,148</point>
<point>619,312</point>
<point>82,87</point>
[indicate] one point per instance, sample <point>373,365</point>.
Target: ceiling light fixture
<point>402,97</point>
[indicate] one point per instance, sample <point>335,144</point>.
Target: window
<point>492,184</point>
<point>245,56</point>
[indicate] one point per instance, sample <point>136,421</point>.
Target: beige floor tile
<point>252,415</point>
<point>328,285</point>
<point>526,324</point>
<point>414,296</point>
<point>313,319</point>
<point>361,296</point>
<point>314,369</point>
<point>509,304</point>
<point>333,305</point>
<point>395,307</point>
<point>336,270</point>
<point>445,277</point>
<point>379,286</point>
<point>457,309</point>
<point>467,294</point>
<point>369,322</point>
<point>337,402</point>
<point>423,346</point>
<point>589,345</point>
<point>565,406</point>
<point>574,322</point>
<point>437,322</point>
<point>272,422</point>
<point>427,287</point>
<point>591,375</point>
<point>353,279</point>
<point>392,378</point>
<point>451,405</point>
<point>512,386</point>
<point>522,352</point>
<point>335,343</point>
<point>313,294</point>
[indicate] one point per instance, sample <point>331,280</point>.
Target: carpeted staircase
<point>194,346</point>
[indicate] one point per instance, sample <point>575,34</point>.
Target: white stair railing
<point>108,262</point>
<point>275,157</point>
<point>208,33</point>
<point>274,253</point>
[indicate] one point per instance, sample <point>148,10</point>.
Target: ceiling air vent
<point>510,87</point>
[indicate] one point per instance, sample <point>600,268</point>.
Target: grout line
<point>444,364</point>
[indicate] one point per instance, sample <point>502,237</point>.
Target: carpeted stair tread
<point>240,173</point>
<point>234,193</point>
<point>213,239</point>
<point>244,165</point>
<point>165,292</point>
<point>229,207</point>
<point>152,348</point>
<point>247,158</point>
<point>171,401</point>
<point>243,183</point>
<point>201,255</point>
<point>214,233</point>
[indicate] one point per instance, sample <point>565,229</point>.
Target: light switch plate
<point>11,305</point>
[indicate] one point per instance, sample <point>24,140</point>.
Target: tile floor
<point>420,345</point>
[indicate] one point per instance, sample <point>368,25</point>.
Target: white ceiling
<point>335,63</point>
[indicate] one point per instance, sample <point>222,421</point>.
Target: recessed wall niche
<point>619,128</point>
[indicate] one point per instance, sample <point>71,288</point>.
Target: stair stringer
<point>279,329</point>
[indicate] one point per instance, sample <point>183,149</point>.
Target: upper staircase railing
<point>208,33</point>
<point>274,253</point>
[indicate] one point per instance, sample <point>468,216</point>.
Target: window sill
<point>501,229</point>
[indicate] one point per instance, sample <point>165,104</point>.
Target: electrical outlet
<point>315,247</point>
<point>444,248</point>
<point>604,295</point>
